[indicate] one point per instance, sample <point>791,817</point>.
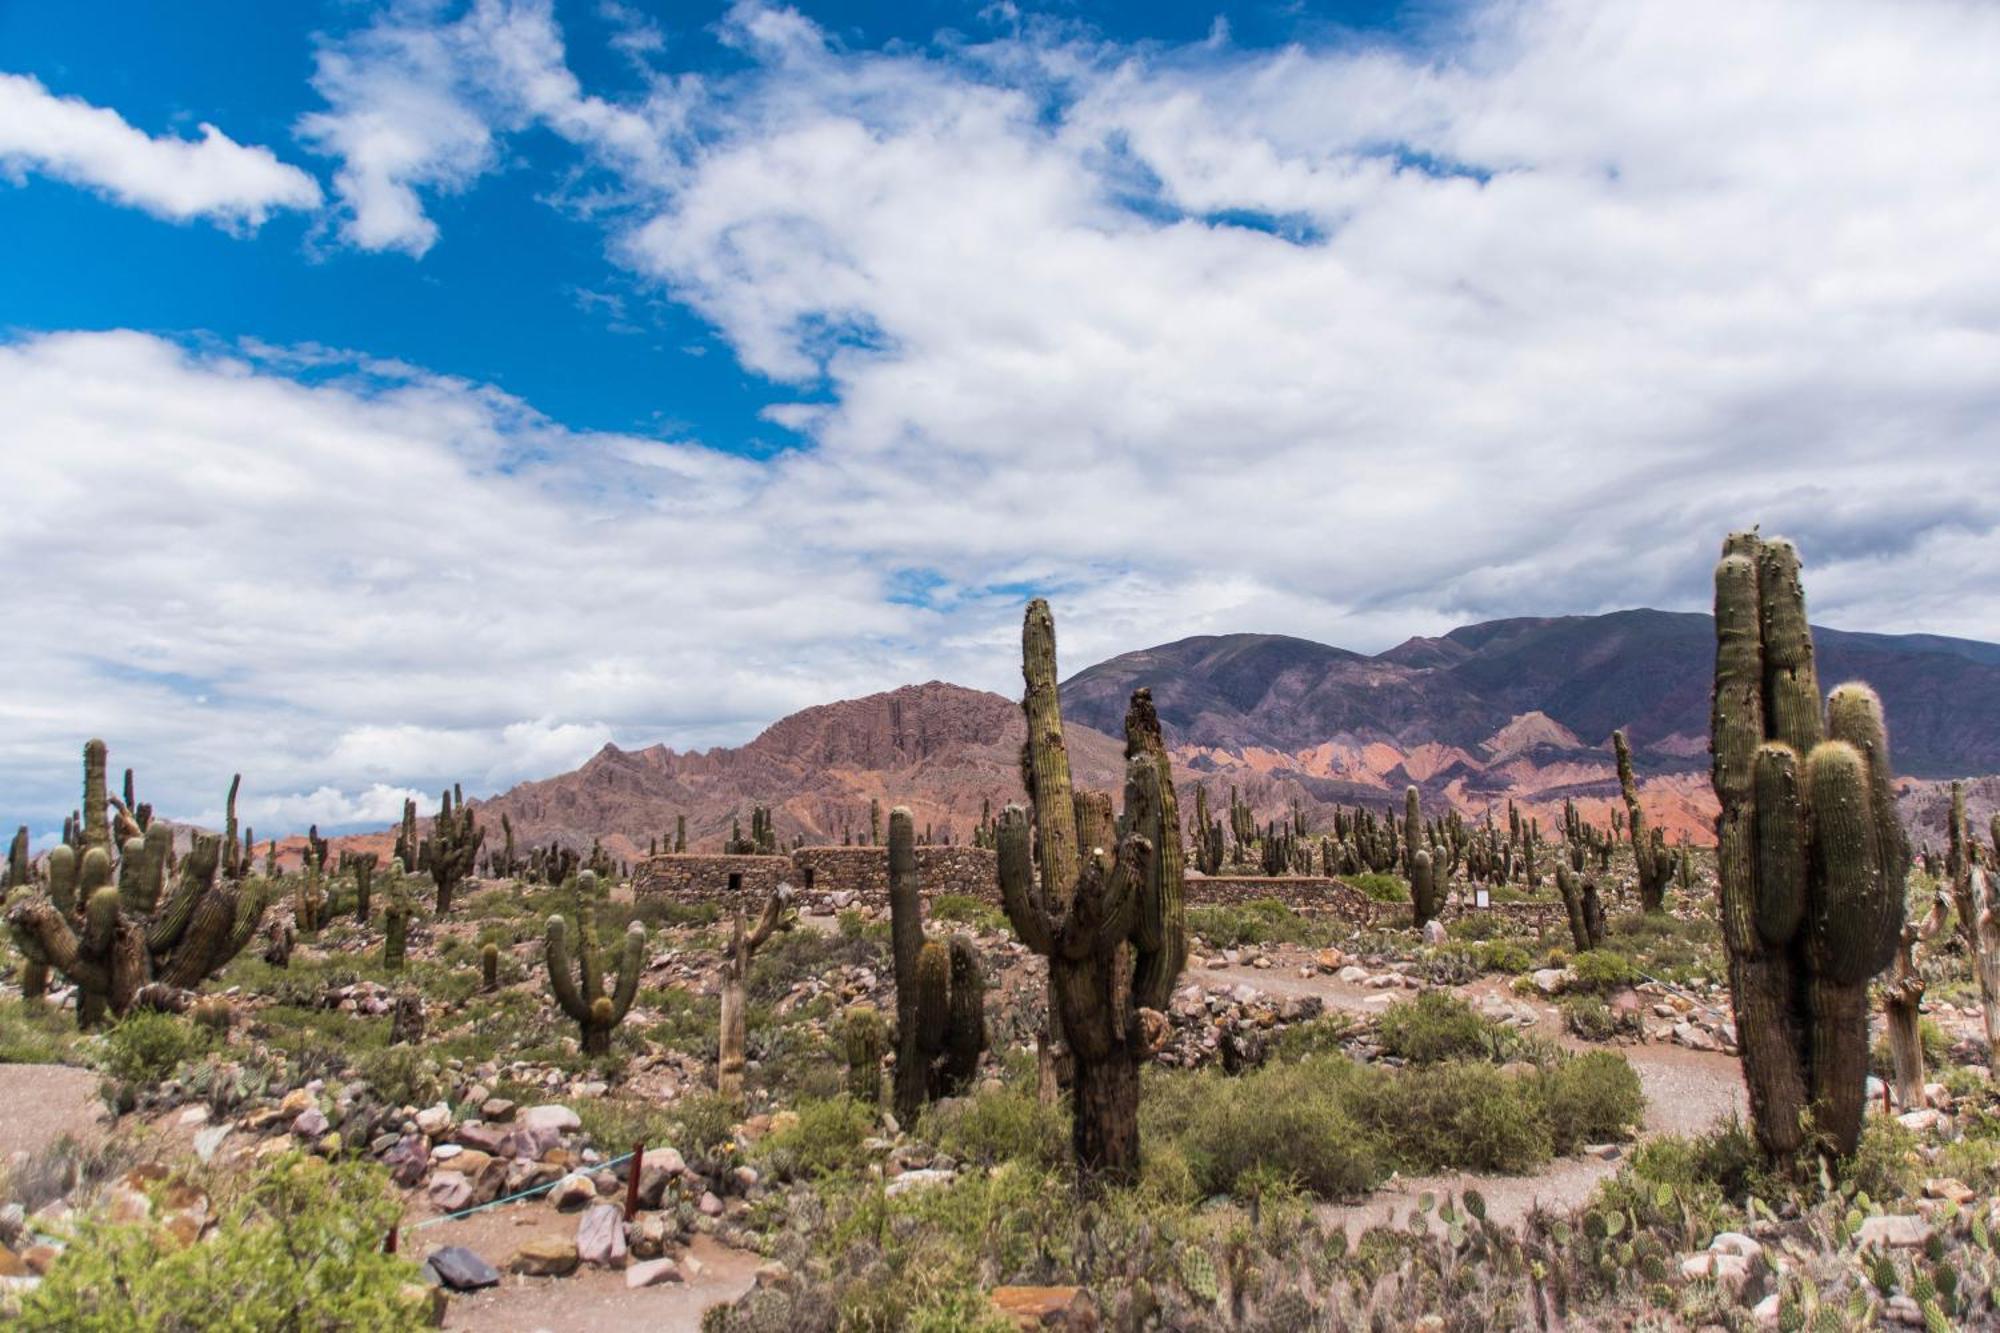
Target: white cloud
<point>1349,341</point>
<point>213,177</point>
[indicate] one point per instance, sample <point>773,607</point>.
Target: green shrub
<point>1380,888</point>
<point>1592,1019</point>
<point>1259,921</point>
<point>1008,1124</point>
<point>301,1249</point>
<point>146,1047</point>
<point>35,1034</point>
<point>1287,1120</point>
<point>1437,1025</point>
<point>1504,956</point>
<point>971,911</point>
<point>1602,970</point>
<point>401,1076</point>
<point>1591,1098</point>
<point>1326,1035</point>
<point>702,1125</point>
<point>1466,1114</point>
<point>825,1139</point>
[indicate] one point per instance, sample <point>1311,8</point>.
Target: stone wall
<point>695,876</point>
<point>1302,892</point>
<point>863,871</point>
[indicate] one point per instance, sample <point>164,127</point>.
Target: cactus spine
<point>743,946</point>
<point>581,992</point>
<point>1112,925</point>
<point>1810,856</point>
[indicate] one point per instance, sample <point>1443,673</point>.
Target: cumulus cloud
<point>381,580</point>
<point>1349,340</point>
<point>213,177</point>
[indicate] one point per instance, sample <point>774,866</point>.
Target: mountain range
<point>1518,710</point>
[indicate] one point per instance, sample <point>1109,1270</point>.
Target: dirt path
<point>41,1103</point>
<point>1686,1092</point>
<point>589,1301</point>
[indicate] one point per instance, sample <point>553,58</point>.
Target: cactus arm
<point>1779,891</point>
<point>62,878</point>
<point>1854,716</point>
<point>933,1009</point>
<point>631,960</point>
<point>42,933</point>
<point>1849,917</point>
<point>96,830</point>
<point>250,907</point>
<point>590,958</point>
<point>774,910</point>
<point>561,979</point>
<point>1048,760</point>
<point>1020,895</point>
<point>1791,681</point>
<point>1106,900</point>
<point>1160,928</point>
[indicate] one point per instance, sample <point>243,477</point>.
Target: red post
<point>389,1245</point>
<point>632,1179</point>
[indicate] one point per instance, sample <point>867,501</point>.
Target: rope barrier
<point>514,1198</point>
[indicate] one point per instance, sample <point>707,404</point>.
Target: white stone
<point>553,1116</point>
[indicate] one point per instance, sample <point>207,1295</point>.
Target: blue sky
<point>433,390</point>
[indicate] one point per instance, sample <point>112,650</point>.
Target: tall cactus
<point>1810,857</point>
<point>1655,864</point>
<point>743,945</point>
<point>581,992</point>
<point>1413,831</point>
<point>94,829</point>
<point>133,950</point>
<point>1111,924</point>
<point>1423,887</point>
<point>940,989</point>
<point>1977,924</point>
<point>864,1053</point>
<point>453,847</point>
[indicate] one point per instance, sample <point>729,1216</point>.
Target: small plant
<point>1439,1026</point>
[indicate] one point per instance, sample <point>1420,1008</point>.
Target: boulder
<point>544,1256</point>
<point>450,1191</point>
<point>572,1192</point>
<point>461,1270</point>
<point>558,1118</point>
<point>652,1273</point>
<point>1070,1308</point>
<point>1894,1231</point>
<point>600,1236</point>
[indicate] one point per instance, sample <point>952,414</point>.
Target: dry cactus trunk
<point>1112,925</point>
<point>1810,857</point>
<point>743,948</point>
<point>1902,1001</point>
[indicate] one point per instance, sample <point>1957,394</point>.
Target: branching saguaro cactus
<point>940,989</point>
<point>453,847</point>
<point>1654,862</point>
<point>743,946</point>
<point>1810,857</point>
<point>580,989</point>
<point>130,949</point>
<point>1113,926</point>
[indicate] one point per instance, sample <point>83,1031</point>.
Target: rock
<point>408,1160</point>
<point>648,1235</point>
<point>528,1143</point>
<point>558,1118</point>
<point>652,1273</point>
<point>1549,980</point>
<point>1923,1120</point>
<point>1351,974</point>
<point>483,1138</point>
<point>573,1191</point>
<point>1604,1152</point>
<point>194,1115</point>
<point>1895,1231</point>
<point>1730,1271</point>
<point>1735,1242</point>
<point>544,1256</point>
<point>311,1123</point>
<point>600,1236</point>
<point>10,1264</point>
<point>1904,1309</point>
<point>1765,1312</point>
<point>207,1141</point>
<point>294,1104</point>
<point>434,1120</point>
<point>449,1191</point>
<point>1950,1189</point>
<point>529,1175</point>
<point>916,1180</point>
<point>1434,932</point>
<point>1330,960</point>
<point>1070,1308</point>
<point>461,1270</point>
<point>710,1205</point>
<point>498,1110</point>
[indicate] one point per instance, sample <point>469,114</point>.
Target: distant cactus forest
<point>1162,1044</point>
